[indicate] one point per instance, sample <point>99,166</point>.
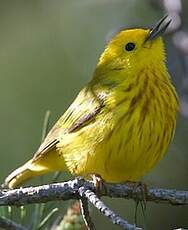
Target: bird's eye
<point>130,46</point>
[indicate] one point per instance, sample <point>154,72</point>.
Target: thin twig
<point>106,211</point>
<point>10,225</point>
<point>85,214</point>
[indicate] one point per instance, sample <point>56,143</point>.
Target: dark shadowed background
<point>48,51</point>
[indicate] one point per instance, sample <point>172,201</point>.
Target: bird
<point>121,122</point>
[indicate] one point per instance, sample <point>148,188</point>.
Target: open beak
<point>158,29</point>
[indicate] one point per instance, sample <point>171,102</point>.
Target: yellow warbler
<point>122,121</point>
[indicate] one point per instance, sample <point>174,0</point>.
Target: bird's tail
<point>21,175</point>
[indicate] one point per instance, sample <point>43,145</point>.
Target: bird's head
<point>134,49</point>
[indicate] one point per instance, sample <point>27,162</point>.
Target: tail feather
<point>21,174</point>
<point>49,163</point>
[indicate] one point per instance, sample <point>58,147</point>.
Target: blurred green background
<point>48,51</point>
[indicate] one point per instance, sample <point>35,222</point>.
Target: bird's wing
<point>85,107</point>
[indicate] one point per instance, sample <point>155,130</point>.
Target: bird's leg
<point>98,183</point>
<point>142,187</point>
<point>96,179</point>
<point>140,190</point>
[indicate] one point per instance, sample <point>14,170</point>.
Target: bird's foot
<point>98,181</point>
<point>142,187</point>
<point>141,190</point>
<point>95,179</point>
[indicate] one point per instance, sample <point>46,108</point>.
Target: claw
<point>98,182</point>
<point>140,190</point>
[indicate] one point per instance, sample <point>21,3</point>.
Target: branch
<point>81,189</point>
<point>69,190</point>
<point>116,219</point>
<point>85,214</point>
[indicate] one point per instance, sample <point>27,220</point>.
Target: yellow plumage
<point>122,121</point>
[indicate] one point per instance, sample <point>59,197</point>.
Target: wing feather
<point>80,113</point>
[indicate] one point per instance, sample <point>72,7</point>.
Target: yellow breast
<point>142,132</point>
<point>138,125</point>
